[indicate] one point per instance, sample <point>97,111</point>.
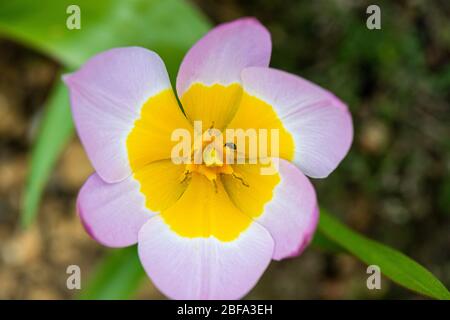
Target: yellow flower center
<point>214,157</point>
<point>183,193</point>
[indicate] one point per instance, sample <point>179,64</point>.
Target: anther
<point>230,145</point>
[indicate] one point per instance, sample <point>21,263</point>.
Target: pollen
<point>213,162</point>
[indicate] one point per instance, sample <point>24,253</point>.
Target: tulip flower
<point>205,229</point>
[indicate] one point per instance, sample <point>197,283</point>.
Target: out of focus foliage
<point>395,183</point>
<point>105,25</point>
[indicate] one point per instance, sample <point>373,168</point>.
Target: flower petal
<point>284,203</point>
<point>292,214</point>
<point>222,53</point>
<point>160,183</point>
<point>203,267</point>
<point>205,210</point>
<point>319,123</point>
<point>114,213</point>
<point>209,76</point>
<point>107,96</point>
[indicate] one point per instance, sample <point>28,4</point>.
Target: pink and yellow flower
<point>197,239</point>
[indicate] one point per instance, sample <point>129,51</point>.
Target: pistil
<point>211,167</point>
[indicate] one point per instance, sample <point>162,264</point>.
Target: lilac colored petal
<point>309,234</point>
<point>112,213</point>
<point>291,215</point>
<point>320,123</point>
<point>106,95</point>
<point>222,53</point>
<point>203,268</point>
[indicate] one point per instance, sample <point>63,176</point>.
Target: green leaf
<point>55,130</point>
<point>168,27</point>
<point>393,264</point>
<point>118,276</point>
<point>322,242</point>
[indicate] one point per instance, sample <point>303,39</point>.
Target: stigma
<point>212,167</point>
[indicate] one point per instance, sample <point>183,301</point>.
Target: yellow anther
<point>212,163</point>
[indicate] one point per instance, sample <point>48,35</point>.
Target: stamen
<point>214,182</point>
<point>212,164</point>
<point>212,158</point>
<point>186,176</point>
<point>241,179</point>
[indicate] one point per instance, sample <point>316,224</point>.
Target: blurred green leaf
<point>55,130</point>
<point>168,27</point>
<point>393,264</point>
<point>320,241</point>
<point>118,276</point>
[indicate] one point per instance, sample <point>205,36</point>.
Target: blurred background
<point>394,186</point>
